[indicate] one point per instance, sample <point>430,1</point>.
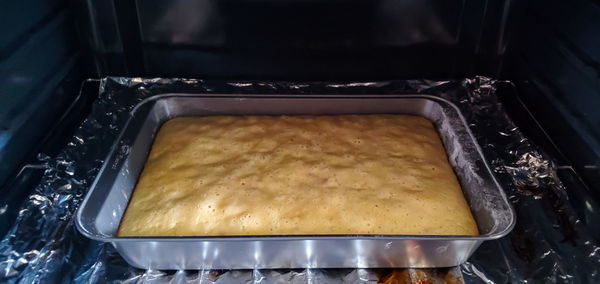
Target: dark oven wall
<point>554,59</point>
<point>298,39</point>
<point>40,75</point>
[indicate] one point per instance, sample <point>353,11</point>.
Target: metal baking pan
<point>100,213</point>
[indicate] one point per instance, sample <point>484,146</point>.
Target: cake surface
<point>296,175</point>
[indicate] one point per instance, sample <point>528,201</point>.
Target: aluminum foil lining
<point>548,244</point>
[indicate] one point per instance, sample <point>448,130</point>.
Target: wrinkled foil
<point>548,244</point>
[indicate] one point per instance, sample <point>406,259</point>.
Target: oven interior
<point>53,53</point>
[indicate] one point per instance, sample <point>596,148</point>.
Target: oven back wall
<point>300,39</point>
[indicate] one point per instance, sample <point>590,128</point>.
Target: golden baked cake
<point>282,175</point>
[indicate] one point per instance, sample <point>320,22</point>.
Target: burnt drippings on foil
<point>536,177</point>
<point>522,245</point>
<point>565,218</point>
<point>548,244</point>
<point>424,275</point>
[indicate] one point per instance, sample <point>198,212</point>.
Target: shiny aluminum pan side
<point>100,213</point>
